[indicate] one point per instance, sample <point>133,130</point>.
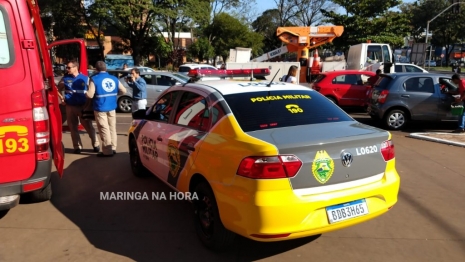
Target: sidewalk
<point>444,138</point>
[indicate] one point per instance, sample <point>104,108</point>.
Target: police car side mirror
<point>139,114</point>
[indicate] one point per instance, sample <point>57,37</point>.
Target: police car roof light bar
<point>198,73</point>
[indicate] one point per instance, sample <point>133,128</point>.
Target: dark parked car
<point>399,98</point>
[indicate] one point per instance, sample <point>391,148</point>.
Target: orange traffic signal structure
<point>303,39</point>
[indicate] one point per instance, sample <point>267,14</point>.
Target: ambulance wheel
<point>41,195</point>
<point>208,225</point>
<point>136,165</point>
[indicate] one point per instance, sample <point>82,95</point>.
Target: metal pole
<point>426,42</point>
<point>427,27</point>
<point>430,50</point>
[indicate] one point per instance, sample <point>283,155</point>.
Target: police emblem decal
<point>346,158</point>
<point>174,158</point>
<point>322,167</point>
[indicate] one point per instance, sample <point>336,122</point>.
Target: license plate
<point>347,211</point>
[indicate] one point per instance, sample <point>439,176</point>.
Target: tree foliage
<point>231,33</point>
<point>309,11</point>
<point>369,20</point>
<point>201,49</point>
<point>447,29</point>
<point>266,25</point>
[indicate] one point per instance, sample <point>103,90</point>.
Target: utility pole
<point>427,29</point>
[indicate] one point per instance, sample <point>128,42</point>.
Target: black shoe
<point>460,130</point>
<point>96,149</point>
<point>77,151</point>
<point>103,155</point>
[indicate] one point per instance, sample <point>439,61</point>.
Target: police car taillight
<point>387,150</point>
<point>259,167</point>
<point>197,73</point>
<point>41,125</point>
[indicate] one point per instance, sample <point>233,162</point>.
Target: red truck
<point>30,117</point>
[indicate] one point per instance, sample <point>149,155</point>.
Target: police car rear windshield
<point>275,109</point>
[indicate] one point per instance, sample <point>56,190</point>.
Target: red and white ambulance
<point>30,118</point>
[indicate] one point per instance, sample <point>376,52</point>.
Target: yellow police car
<point>270,161</point>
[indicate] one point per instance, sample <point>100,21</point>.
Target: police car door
<point>182,144</point>
<point>152,129</point>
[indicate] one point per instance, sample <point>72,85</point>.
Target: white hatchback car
<point>409,68</point>
<point>142,69</point>
<point>184,69</point>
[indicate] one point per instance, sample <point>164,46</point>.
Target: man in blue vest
<point>74,85</point>
<point>104,89</point>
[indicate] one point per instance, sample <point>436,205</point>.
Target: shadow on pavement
<point>142,230</point>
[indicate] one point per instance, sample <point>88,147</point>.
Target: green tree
<point>309,11</point>
<point>231,33</point>
<point>447,29</point>
<point>174,15</point>
<point>64,22</point>
<point>201,49</point>
<point>369,20</point>
<point>266,25</point>
<point>132,20</point>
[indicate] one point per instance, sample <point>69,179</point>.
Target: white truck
<point>371,57</point>
<point>364,56</point>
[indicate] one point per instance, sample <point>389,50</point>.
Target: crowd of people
<point>97,93</point>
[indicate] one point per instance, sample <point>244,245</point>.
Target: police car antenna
<point>273,78</point>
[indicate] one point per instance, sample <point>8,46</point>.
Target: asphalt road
<point>426,224</point>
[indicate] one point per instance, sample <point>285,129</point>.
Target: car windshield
<point>383,83</point>
<point>319,78</point>
<point>182,77</point>
<point>275,109</point>
<point>184,69</point>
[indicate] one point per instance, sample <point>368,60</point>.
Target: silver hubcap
<point>396,120</point>
<point>125,104</point>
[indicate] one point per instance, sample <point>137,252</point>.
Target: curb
<point>422,136</point>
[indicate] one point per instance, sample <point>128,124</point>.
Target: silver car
<point>157,82</point>
<point>399,98</point>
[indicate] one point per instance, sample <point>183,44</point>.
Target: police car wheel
<point>136,165</point>
<point>41,195</point>
<point>208,225</point>
<point>3,213</point>
<point>125,104</point>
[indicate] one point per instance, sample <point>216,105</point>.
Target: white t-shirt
<point>290,79</point>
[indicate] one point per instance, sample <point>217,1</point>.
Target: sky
<point>263,5</point>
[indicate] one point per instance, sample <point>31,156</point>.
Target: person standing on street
<point>372,80</point>
<point>291,76</point>
<point>139,90</point>
<point>104,89</point>
<point>459,99</point>
<point>74,85</point>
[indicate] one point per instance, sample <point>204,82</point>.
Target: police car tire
<point>221,239</point>
<point>3,213</point>
<point>138,170</point>
<point>41,195</point>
